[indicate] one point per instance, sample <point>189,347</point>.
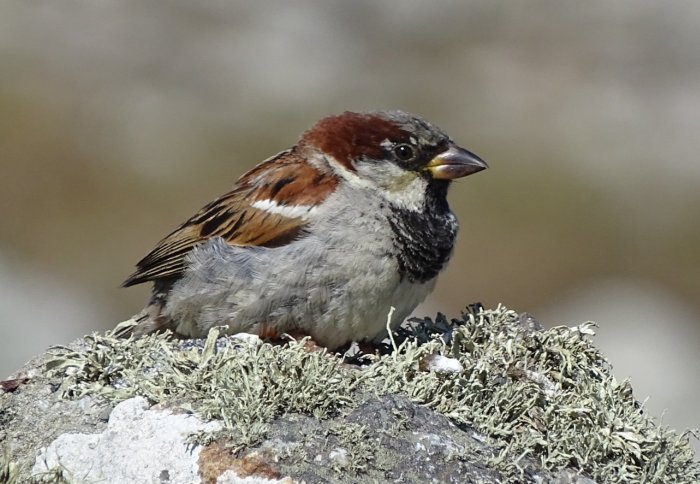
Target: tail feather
<point>146,322</point>
<point>150,319</point>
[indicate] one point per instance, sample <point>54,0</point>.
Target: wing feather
<point>284,179</point>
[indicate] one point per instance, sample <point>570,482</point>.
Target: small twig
<point>388,328</point>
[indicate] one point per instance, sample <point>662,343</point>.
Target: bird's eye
<point>404,152</point>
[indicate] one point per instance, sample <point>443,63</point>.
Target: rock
<point>138,445</point>
<point>487,398</point>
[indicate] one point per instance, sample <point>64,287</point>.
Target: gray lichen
<point>9,473</point>
<point>544,396</point>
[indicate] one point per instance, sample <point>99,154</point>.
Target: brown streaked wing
<point>284,179</point>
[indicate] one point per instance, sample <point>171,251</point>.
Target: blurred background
<point>120,118</point>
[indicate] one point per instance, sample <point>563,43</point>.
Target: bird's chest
<point>408,245</point>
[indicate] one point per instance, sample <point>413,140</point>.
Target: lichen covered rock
<point>489,397</point>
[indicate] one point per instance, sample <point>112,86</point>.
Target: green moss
<point>548,395</point>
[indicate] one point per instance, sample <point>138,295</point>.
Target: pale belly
<point>307,287</point>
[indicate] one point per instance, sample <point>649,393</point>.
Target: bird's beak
<point>455,162</point>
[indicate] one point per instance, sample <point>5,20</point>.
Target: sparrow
<point>321,239</point>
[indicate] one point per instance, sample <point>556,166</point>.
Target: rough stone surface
<point>388,438</point>
<point>517,404</point>
<point>138,445</point>
<point>34,415</point>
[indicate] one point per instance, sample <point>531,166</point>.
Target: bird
<point>321,239</point>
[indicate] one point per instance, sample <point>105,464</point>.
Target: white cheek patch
<point>290,211</point>
<point>405,190</point>
<point>402,188</point>
<point>410,196</point>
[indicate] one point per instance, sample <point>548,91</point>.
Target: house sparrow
<point>321,239</point>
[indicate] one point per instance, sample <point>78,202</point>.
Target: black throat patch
<point>424,240</point>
